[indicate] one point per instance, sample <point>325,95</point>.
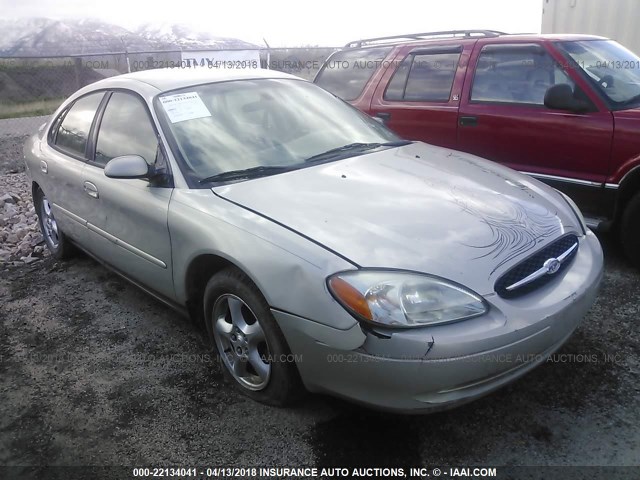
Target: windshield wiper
<point>253,172</point>
<point>354,147</point>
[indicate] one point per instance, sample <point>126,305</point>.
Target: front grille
<point>534,263</point>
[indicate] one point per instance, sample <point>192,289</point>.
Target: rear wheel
<point>630,230</point>
<point>56,240</point>
<point>253,351</point>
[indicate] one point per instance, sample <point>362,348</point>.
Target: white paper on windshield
<point>184,106</point>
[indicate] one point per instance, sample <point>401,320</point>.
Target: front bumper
<point>435,368</point>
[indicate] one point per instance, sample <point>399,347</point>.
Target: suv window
<point>126,129</point>
<point>73,132</point>
<point>346,73</point>
<point>515,74</point>
<point>424,77</point>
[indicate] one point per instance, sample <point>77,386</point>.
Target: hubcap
<point>241,342</point>
<point>49,224</point>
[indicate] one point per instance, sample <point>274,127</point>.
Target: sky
<point>297,23</point>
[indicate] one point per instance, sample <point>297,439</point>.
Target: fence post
<point>78,71</point>
<point>126,54</point>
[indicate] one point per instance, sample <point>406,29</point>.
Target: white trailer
<point>615,19</point>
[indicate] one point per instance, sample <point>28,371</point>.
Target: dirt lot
<point>95,372</point>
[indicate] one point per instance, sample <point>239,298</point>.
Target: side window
<point>515,75</point>
<point>72,134</point>
<point>125,129</point>
<point>424,78</point>
<point>347,72</point>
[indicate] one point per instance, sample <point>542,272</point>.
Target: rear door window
<point>346,73</point>
<point>73,133</point>
<point>424,77</point>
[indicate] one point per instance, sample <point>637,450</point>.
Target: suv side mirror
<point>560,97</point>
<point>127,166</point>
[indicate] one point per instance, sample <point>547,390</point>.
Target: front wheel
<point>253,351</point>
<point>630,230</point>
<point>56,240</point>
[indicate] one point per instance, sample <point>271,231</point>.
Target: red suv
<point>562,108</point>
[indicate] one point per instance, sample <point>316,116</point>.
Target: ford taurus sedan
<point>322,252</point>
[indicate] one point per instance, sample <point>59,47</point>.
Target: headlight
<point>403,299</point>
<point>576,211</point>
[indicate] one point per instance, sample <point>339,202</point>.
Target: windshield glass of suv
<point>346,73</point>
<point>237,125</point>
<point>613,69</point>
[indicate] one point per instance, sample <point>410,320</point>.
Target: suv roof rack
<point>426,35</point>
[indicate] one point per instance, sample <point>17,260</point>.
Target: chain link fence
<point>31,88</point>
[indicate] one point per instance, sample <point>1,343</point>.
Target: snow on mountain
<point>188,37</point>
<point>43,36</point>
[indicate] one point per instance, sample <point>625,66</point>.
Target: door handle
<point>468,121</point>
<point>44,168</point>
<point>383,116</point>
<point>90,189</point>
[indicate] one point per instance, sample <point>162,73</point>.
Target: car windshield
<point>613,69</point>
<point>247,128</point>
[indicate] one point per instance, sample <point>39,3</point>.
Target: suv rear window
<point>346,73</point>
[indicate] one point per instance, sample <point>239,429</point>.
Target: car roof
<point>163,79</point>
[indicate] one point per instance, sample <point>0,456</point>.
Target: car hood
<point>417,207</point>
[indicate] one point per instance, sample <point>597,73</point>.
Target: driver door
<point>128,218</point>
<point>502,117</point>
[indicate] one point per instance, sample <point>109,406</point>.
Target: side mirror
<point>127,166</point>
<point>560,97</point>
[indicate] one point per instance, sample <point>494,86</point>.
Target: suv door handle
<point>468,121</point>
<point>384,116</point>
<point>90,189</point>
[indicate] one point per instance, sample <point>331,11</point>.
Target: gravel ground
<point>17,127</point>
<point>95,372</point>
<point>21,241</point>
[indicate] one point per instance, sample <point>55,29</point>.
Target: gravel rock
<point>22,241</point>
<point>7,198</point>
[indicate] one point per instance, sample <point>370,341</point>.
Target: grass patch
<point>29,109</point>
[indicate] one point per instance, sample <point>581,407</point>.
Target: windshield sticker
<point>184,106</point>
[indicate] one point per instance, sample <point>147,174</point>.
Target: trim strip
<point>576,181</point>
<point>113,239</point>
<point>72,216</point>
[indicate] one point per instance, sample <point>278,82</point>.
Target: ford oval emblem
<point>552,265</point>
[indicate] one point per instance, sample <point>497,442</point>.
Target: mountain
<point>188,38</point>
<point>46,37</point>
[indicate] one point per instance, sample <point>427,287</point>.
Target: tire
<point>253,351</point>
<point>630,230</point>
<point>57,242</point>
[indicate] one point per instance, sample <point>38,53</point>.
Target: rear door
<point>503,118</point>
<point>419,94</point>
<point>128,218</point>
<point>63,163</point>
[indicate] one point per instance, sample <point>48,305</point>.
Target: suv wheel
<point>253,351</point>
<point>630,230</point>
<point>56,240</point>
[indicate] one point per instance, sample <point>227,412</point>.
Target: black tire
<point>283,385</point>
<point>630,230</point>
<point>59,245</point>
